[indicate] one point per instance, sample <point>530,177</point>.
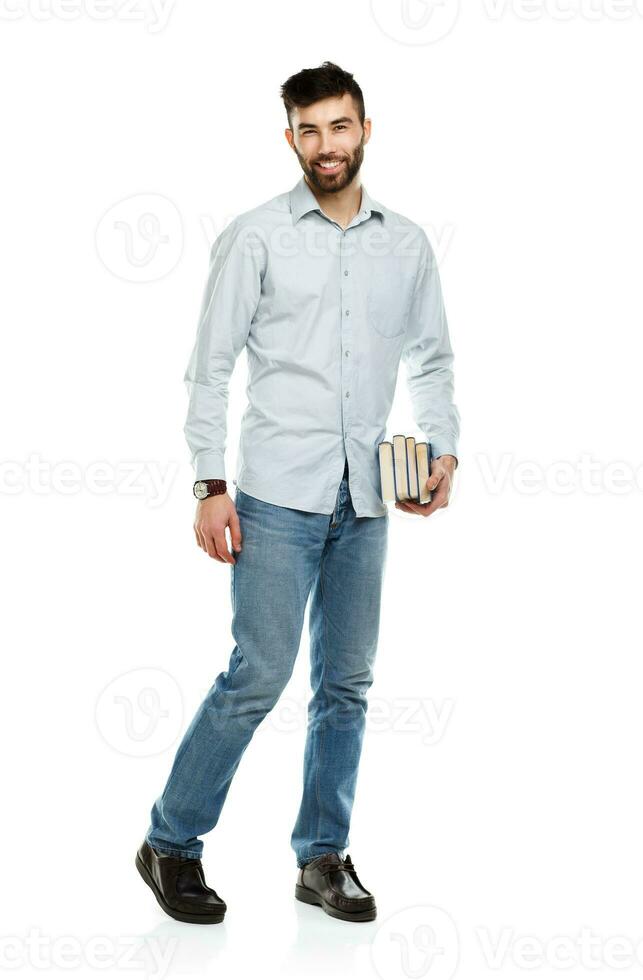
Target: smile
<point>331,167</point>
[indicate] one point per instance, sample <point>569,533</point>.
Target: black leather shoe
<point>179,886</point>
<point>332,883</point>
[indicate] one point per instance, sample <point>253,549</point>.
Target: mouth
<point>330,167</point>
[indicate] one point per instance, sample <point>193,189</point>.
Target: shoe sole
<point>312,898</point>
<point>206,919</point>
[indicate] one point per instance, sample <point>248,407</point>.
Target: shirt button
<point>347,353</point>
<point>347,394</point>
<point>348,312</point>
<point>345,272</point>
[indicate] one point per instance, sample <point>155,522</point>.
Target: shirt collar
<point>302,200</point>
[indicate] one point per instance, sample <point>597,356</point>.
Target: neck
<point>341,206</point>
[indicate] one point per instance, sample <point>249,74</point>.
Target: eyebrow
<point>342,119</point>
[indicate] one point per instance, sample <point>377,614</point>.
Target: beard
<point>331,183</point>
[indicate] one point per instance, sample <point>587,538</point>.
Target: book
<point>405,466</point>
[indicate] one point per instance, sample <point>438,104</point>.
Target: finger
<point>210,546</point>
<point>235,531</point>
<point>406,505</point>
<point>221,545</point>
<point>435,479</point>
<point>438,500</point>
<point>198,537</point>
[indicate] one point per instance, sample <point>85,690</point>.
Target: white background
<point>499,798</point>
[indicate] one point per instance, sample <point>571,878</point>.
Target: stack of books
<point>405,466</point>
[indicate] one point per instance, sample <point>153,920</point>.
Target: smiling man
<point>327,290</point>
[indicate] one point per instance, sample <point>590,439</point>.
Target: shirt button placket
<point>345,293</point>
<point>346,297</point>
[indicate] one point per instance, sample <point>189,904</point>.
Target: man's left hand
<point>439,483</point>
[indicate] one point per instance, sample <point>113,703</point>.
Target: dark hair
<point>312,84</point>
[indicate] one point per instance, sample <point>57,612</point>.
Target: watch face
<point>200,490</point>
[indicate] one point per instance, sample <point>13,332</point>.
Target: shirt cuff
<point>442,447</point>
<point>209,466</point>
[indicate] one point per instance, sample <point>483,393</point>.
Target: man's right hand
<point>213,515</point>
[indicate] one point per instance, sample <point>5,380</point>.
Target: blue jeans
<point>286,554</point>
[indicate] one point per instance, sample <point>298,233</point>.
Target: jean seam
<point>183,747</point>
<point>323,686</point>
<point>233,666</point>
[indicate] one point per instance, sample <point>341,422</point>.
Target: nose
<point>326,148</point>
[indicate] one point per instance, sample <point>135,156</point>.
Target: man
<point>327,290</point>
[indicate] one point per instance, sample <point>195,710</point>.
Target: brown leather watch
<point>208,488</point>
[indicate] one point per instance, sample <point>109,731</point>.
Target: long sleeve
<point>429,360</point>
<point>229,303</point>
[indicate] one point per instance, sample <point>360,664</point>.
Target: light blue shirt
<point>325,315</point>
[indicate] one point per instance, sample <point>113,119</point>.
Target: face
<point>329,141</point>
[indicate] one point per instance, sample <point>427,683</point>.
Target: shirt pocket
<point>388,301</point>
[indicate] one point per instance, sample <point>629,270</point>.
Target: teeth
<point>329,166</point>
